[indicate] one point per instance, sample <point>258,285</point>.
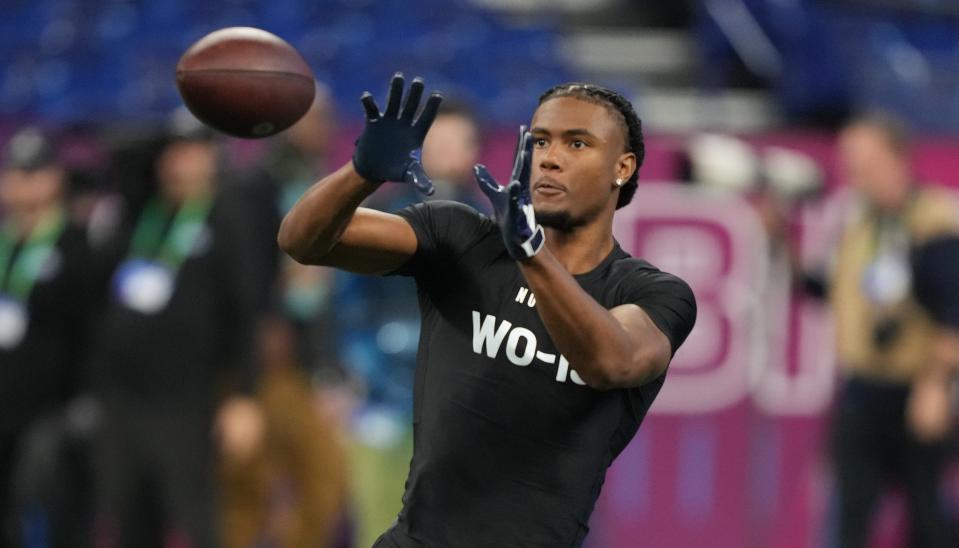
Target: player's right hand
<point>513,205</point>
<point>388,149</point>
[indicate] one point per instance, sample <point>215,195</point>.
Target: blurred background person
<point>293,490</point>
<point>45,312</point>
<point>292,162</point>
<point>173,361</point>
<point>451,149</point>
<point>893,414</point>
<point>377,320</point>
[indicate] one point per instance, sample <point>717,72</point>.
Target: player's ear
<point>625,166</point>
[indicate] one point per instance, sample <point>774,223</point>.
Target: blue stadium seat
<point>854,56</point>
<point>120,60</point>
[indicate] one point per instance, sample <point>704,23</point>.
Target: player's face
<point>578,153</point>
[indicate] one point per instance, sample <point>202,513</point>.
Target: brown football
<point>245,82</point>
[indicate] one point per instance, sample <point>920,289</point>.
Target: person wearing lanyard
<point>182,309</point>
<point>44,302</point>
<point>892,415</point>
<point>301,387</point>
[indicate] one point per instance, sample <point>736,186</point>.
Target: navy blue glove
<point>388,149</point>
<point>513,205</point>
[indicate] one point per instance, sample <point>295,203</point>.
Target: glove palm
<point>388,149</point>
<point>513,205</point>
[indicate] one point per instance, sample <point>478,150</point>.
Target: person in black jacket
<point>45,302</point>
<point>181,313</point>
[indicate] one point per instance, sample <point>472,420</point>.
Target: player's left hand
<point>513,205</point>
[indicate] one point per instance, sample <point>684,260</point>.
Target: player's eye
<point>539,142</point>
<point>578,144</point>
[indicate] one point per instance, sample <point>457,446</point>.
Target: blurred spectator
<point>451,149</point>
<point>378,317</point>
<point>892,416</point>
<point>295,160</point>
<point>45,304</point>
<point>182,311</point>
<point>292,492</point>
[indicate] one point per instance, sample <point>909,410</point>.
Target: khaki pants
<point>293,492</point>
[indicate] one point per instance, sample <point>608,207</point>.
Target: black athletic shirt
<point>510,448</point>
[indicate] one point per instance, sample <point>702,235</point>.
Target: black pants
<point>154,477</point>
<point>873,448</point>
<point>8,443</point>
<point>44,492</point>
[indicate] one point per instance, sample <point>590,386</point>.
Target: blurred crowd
<point>168,378</point>
<point>887,274</point>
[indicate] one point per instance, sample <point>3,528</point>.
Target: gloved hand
<point>513,205</point>
<point>388,149</point>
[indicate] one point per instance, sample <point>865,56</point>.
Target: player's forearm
<point>592,339</point>
<point>314,225</point>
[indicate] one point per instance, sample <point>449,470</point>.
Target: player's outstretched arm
<point>615,348</point>
<point>327,226</point>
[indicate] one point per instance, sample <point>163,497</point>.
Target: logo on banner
<point>740,346</point>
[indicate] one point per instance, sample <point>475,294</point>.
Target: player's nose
<point>548,160</point>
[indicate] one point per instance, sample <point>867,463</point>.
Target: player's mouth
<point>548,187</point>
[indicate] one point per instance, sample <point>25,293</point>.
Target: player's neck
<point>583,248</point>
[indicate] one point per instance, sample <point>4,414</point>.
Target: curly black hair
<point>624,114</point>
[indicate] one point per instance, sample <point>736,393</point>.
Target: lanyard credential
<point>145,282</point>
<point>170,247</point>
<point>21,276</point>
